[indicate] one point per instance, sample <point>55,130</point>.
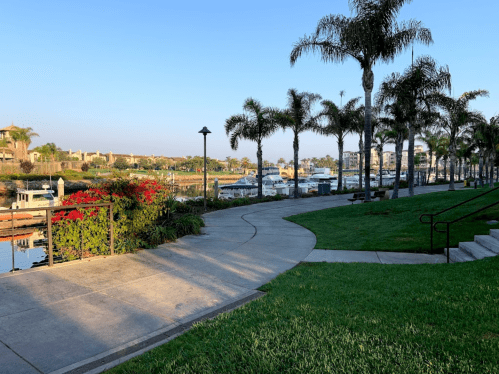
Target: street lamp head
<point>204,131</point>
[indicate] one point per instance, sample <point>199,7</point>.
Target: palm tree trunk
<point>480,169</point>
<point>491,180</point>
<point>340,165</point>
<point>452,151</point>
<point>259,177</point>
<point>295,149</point>
<point>410,159</point>
<point>436,169</point>
<point>430,152</point>
<point>398,165</point>
<point>367,84</point>
<point>380,156</point>
<point>445,169</point>
<point>360,162</point>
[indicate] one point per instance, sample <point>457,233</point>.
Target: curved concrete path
<point>90,315</point>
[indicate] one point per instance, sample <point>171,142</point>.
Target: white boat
<point>35,199</point>
<point>304,185</point>
<point>322,178</point>
<point>245,186</point>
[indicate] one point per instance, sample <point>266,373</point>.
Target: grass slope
<point>394,225</point>
<point>349,318</point>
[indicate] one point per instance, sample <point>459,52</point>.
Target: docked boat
<point>304,185</point>
<point>388,178</point>
<point>246,186</point>
<point>35,199</point>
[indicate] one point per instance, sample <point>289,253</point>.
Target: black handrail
<point>448,223</point>
<point>431,215</point>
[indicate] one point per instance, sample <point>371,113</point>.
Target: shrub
<point>188,224</point>
<point>27,166</point>
<point>403,184</point>
<point>137,207</point>
<point>85,166</point>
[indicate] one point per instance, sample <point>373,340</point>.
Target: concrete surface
<point>75,316</point>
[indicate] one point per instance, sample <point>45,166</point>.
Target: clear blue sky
<point>144,77</point>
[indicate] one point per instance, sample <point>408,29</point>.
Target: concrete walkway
<point>84,317</point>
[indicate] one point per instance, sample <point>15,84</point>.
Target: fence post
<point>111,231</point>
<point>49,235</point>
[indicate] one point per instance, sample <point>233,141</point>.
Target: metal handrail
<point>448,223</point>
<point>431,215</point>
<point>49,211</point>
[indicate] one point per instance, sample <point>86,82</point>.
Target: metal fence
<point>48,216</point>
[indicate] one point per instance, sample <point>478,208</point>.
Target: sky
<point>144,77</point>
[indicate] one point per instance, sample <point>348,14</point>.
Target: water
<point>195,189</point>
<point>29,251</point>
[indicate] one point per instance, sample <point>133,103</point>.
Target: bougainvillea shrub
<point>137,207</point>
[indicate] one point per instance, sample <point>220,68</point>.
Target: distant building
<point>14,149</point>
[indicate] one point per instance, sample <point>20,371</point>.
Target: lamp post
<point>205,132</point>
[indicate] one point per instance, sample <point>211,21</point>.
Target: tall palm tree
<point>255,124</point>
<point>298,118</point>
<point>340,122</point>
<point>396,124</point>
<point>372,35</point>
<point>412,90</point>
<point>358,127</point>
<point>380,138</point>
<point>441,150</point>
<point>457,119</point>
<point>23,135</point>
<point>430,137</point>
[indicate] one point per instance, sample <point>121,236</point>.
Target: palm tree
<point>441,151</point>
<point>430,137</point>
<point>487,140</point>
<point>339,124</point>
<point>457,119</point>
<point>412,90</point>
<point>255,125</point>
<point>23,135</point>
<point>380,138</point>
<point>370,36</point>
<point>359,128</point>
<point>297,117</point>
<point>397,132</point>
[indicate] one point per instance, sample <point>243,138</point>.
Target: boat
<point>304,185</point>
<point>246,186</point>
<point>27,198</point>
<point>388,178</point>
<point>272,184</point>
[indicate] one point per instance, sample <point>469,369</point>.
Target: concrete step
<point>475,250</point>
<point>456,255</point>
<point>489,242</point>
<point>494,233</point>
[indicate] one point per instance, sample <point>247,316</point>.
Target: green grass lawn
<point>393,225</point>
<point>349,318</point>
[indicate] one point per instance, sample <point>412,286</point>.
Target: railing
<point>49,211</point>
<point>448,223</point>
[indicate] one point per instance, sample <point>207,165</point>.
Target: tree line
<point>407,105</point>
